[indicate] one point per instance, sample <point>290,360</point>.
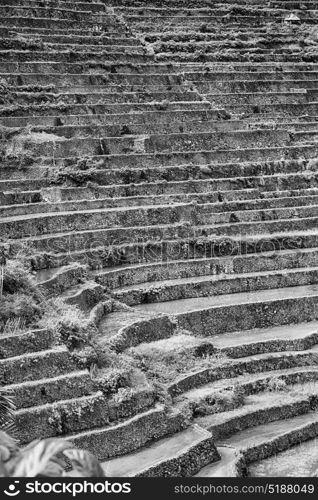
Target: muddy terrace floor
<point>159,165</point>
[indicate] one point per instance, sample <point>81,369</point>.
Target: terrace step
<point>105,30</point>
<point>266,440</point>
<point>261,442</point>
<point>99,129</point>
<point>79,68</point>
<point>52,199</point>
<point>261,340</point>
<point>207,216</point>
<point>145,427</point>
<point>126,328</point>
<point>8,11</point>
<point>133,78</point>
<point>261,409</point>
<point>120,120</point>
<point>59,22</point>
<point>227,467</point>
<point>108,108</point>
<point>203,157</point>
<point>128,275</point>
<point>271,176</point>
<point>216,286</point>
<point>236,201</point>
<point>61,279</point>
<point>206,399</point>
<point>252,373</point>
<point>84,295</point>
<point>240,344</point>
<point>77,246</point>
<point>148,23</point>
<point>17,343</point>
<point>224,86</point>
<point>290,188</point>
<point>79,412</point>
<point>156,12</point>
<point>77,5</point>
<point>193,4</point>
<point>71,36</point>
<point>64,416</point>
<point>43,144</point>
<point>51,389</point>
<point>103,97</point>
<point>189,384</point>
<point>262,37</point>
<point>59,55</point>
<point>247,310</point>
<point>300,461</point>
<point>30,72</point>
<point>90,48</point>
<point>34,366</point>
<point>179,455</point>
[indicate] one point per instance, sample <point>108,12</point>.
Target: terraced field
<point>159,166</point>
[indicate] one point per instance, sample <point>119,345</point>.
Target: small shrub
<point>162,395</point>
<point>79,173</point>
<point>113,380</point>
<point>277,384</point>
<point>20,299</point>
<point>46,458</point>
<point>68,322</point>
<point>113,371</point>
<point>19,305</point>
<point>172,357</point>
<point>162,106</point>
<point>220,401</point>
<point>86,357</point>
<point>17,278</point>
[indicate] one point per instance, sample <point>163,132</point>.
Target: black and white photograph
<point>159,247</point>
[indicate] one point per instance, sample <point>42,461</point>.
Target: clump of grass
<point>72,327</point>
<point>225,400</point>
<point>68,323</point>
<point>5,92</point>
<point>19,305</point>
<point>29,43</point>
<point>13,143</point>
<point>16,158</point>
<point>78,173</point>
<point>20,299</point>
<point>13,326</point>
<point>168,359</point>
<point>114,372</point>
<point>17,277</point>
<point>112,380</point>
<point>276,384</point>
<point>161,105</point>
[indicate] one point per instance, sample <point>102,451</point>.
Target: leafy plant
<point>13,326</point>
<point>20,296</point>
<point>67,321</point>
<point>48,457</point>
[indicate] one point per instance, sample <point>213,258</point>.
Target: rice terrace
<point>159,238</point>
